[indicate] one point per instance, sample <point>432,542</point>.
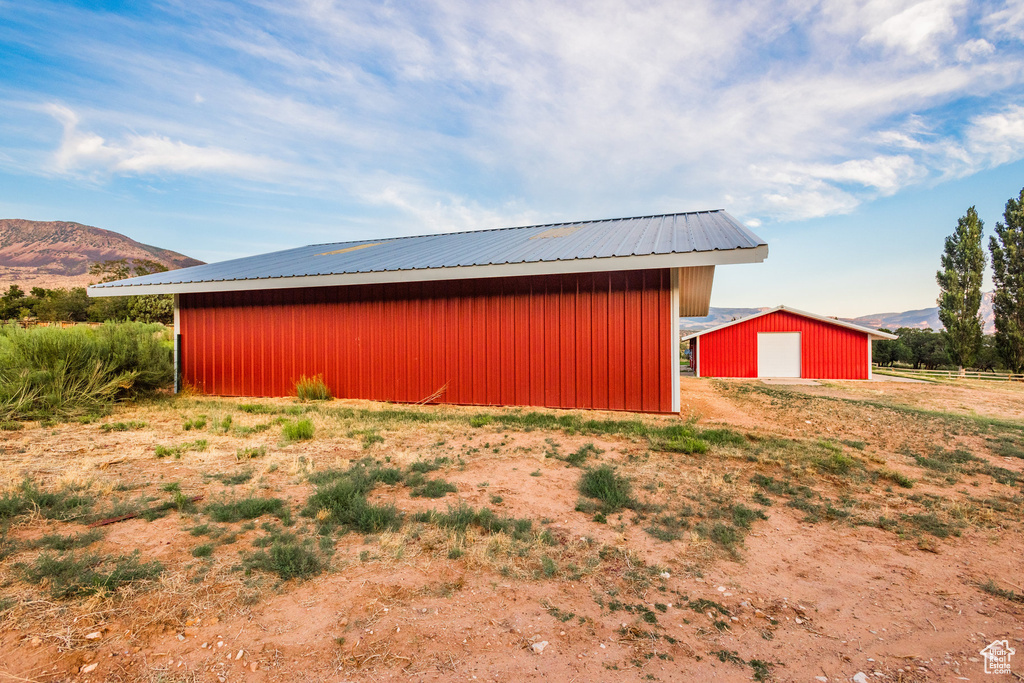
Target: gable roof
<point>874,334</point>
<point>659,241</point>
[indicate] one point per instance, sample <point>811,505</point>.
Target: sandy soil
<point>802,599</point>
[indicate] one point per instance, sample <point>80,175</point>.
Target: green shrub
<point>205,550</point>
<point>198,445</point>
<point>434,488</point>
<point>895,477</point>
<point>257,409</point>
<point>250,452</point>
<point>198,422</point>
<point>579,456</point>
<point>245,508</point>
<point>123,426</point>
<point>481,420</point>
<point>69,576</point>
<point>300,430</point>
<point>10,426</point>
<point>312,389</point>
<point>343,502</point>
<point>58,373</point>
<point>603,484</point>
<point>288,559</point>
<point>460,517</point>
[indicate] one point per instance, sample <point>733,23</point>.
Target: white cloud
<point>973,49</point>
<point>459,114</point>
<point>139,154</point>
<point>920,29</point>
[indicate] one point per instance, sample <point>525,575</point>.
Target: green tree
<point>963,265</point>
<point>148,308</point>
<point>927,348</point>
<point>1007,247</point>
<point>63,305</point>
<point>885,352</point>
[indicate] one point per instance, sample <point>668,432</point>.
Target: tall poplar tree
<point>963,264</point>
<point>1007,247</point>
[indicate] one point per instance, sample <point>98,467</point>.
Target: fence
<point>947,374</point>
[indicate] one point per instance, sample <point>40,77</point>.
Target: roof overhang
<point>872,333</point>
<point>590,265</point>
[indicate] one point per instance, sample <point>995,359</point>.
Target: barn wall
<point>592,340</point>
<point>827,351</point>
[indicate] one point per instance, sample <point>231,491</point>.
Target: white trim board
<point>592,265</point>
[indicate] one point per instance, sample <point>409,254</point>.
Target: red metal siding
<point>827,351</point>
<point>591,340</point>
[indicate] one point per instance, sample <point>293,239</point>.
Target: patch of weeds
<point>762,669</point>
<point>245,430</point>
<point>287,557</point>
<point>68,576</point>
<point>198,422</point>
<point>312,389</point>
<point>548,567</point>
<point>205,550</point>
<point>667,527</point>
<point>10,426</point>
<point>895,477</point>
<point>455,553</point>
<point>992,588</point>
<point>299,430</point>
<point>496,499</point>
<point>856,445</point>
<point>704,606</point>
<point>239,477</point>
<point>559,614</point>
<point>761,499</point>
<point>461,517</point>
<point>683,444</point>
<point>434,488</point>
<point>481,420</point>
<point>223,425</point>
<point>580,455</point>
<point>728,656</point>
<point>833,460</point>
<point>197,446</point>
<point>342,501</point>
<point>244,508</point>
<point>63,503</point>
<point>258,409</point>
<point>69,542</point>
<point>250,452</point>
<point>930,523</point>
<point>425,466</point>
<point>535,473</point>
<point>123,426</point>
<point>612,490</point>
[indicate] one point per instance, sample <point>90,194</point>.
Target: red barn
<point>784,342</point>
<point>571,315</point>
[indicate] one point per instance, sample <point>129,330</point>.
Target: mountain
<point>58,253</point>
<point>920,318</point>
<point>924,317</point>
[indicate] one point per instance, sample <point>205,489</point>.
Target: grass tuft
<point>300,430</point>
<point>69,576</point>
<point>312,389</point>
<point>608,487</point>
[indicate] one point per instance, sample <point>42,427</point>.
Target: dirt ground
<point>828,531</point>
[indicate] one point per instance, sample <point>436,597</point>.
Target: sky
<point>849,135</point>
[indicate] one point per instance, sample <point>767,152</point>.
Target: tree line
<point>962,268</point>
<point>74,304</point>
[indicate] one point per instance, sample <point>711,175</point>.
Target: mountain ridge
<point>55,254</point>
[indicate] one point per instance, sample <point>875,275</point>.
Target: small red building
<point>784,342</point>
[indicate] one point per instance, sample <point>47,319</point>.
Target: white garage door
<point>778,354</point>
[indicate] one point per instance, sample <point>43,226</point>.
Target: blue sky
<point>849,135</point>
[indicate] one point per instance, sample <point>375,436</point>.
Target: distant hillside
<point>58,253</point>
<point>925,317</point>
<point>921,318</point>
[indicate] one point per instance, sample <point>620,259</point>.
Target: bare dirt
<point>853,581</point>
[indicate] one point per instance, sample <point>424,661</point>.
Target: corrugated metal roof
<point>871,332</point>
<point>677,233</point>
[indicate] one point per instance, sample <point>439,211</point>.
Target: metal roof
<point>473,254</point>
<point>875,334</point>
